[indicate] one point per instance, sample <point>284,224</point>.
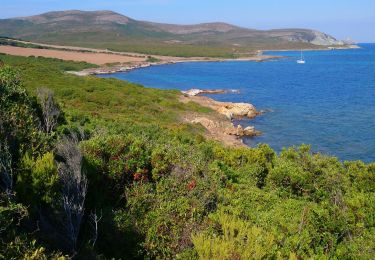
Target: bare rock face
<point>205,122</point>
<point>241,132</point>
<point>196,91</point>
<point>250,131</point>
<point>229,109</point>
<point>237,110</point>
<point>324,39</point>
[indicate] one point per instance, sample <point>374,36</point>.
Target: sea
<point>328,102</point>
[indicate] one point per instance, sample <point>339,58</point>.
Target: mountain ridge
<point>108,29</point>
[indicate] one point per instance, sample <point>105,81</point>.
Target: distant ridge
<point>78,16</point>
<point>112,30</point>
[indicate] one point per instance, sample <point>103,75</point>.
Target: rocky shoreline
<point>126,67</point>
<point>163,60</point>
<point>219,126</point>
<point>116,68</point>
<point>197,92</point>
<point>325,48</point>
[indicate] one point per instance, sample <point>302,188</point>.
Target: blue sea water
<point>329,102</point>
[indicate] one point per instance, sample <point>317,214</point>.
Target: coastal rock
<point>241,132</point>
<point>236,110</point>
<point>319,38</point>
<point>250,131</point>
<point>196,92</point>
<point>205,122</point>
<point>228,109</point>
<point>219,127</point>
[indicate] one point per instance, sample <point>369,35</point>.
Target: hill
<point>120,176</point>
<point>107,29</point>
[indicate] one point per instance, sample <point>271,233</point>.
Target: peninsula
<point>102,168</point>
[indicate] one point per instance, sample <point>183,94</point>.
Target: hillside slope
<point>154,187</point>
<point>107,29</point>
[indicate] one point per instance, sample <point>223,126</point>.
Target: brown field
<point>103,58</point>
<point>94,58</point>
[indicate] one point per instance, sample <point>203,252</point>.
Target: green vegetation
<point>11,42</point>
<point>140,184</point>
<point>152,59</point>
<point>24,44</point>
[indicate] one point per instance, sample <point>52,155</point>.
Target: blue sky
<point>340,18</point>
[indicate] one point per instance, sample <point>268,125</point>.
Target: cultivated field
<point>90,57</point>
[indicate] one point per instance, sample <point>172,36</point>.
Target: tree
<point>94,222</point>
<point>19,125</point>
<point>49,107</point>
<point>73,187</point>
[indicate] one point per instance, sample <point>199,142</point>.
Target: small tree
<point>94,222</point>
<point>74,187</point>
<point>49,107</point>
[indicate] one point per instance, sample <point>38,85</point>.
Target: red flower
<point>137,177</point>
<point>115,158</point>
<point>141,175</point>
<point>192,184</point>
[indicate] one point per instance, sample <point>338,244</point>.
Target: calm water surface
<point>328,102</point>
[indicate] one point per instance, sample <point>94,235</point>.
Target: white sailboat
<point>301,60</point>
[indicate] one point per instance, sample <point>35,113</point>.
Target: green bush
<point>235,239</point>
<point>38,179</point>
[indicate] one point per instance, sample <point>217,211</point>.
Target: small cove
<point>329,102</point>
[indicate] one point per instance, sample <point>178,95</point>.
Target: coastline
<point>110,62</point>
<point>219,124</point>
<point>165,61</point>
<point>218,128</point>
<point>326,48</point>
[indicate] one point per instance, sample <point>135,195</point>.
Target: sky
<point>339,18</point>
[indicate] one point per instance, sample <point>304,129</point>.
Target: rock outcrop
<point>229,109</point>
<point>241,132</point>
<point>219,125</point>
<point>221,129</point>
<point>236,110</point>
<point>196,91</point>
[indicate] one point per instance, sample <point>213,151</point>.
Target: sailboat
<point>302,60</point>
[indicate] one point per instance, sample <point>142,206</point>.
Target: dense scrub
<point>152,189</point>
